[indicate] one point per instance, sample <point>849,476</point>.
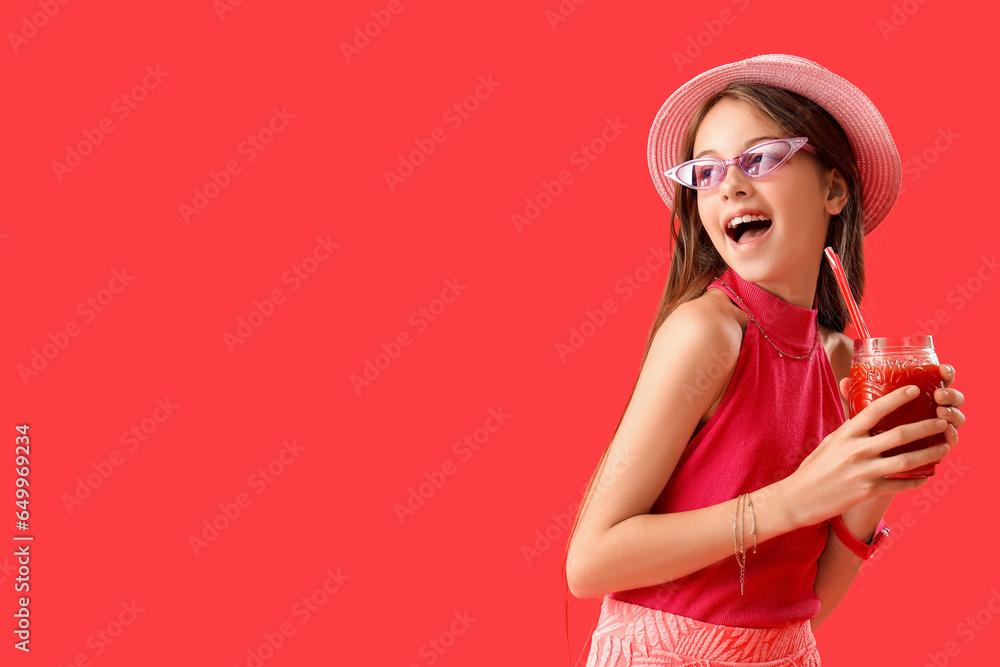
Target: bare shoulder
<point>711,322</point>
<point>676,386</point>
<point>698,345</point>
<point>839,348</point>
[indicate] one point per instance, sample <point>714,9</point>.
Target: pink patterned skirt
<point>629,635</point>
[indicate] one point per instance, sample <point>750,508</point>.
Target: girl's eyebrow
<point>747,145</point>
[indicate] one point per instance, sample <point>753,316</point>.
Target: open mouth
<point>747,228</point>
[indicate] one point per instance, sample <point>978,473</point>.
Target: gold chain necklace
<point>754,320</point>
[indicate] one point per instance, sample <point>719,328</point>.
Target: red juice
<point>875,376</point>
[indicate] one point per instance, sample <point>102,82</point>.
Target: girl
<point>735,503</point>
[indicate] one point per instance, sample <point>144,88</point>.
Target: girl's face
<point>783,256</point>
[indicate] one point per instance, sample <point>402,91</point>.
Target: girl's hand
<point>847,467</point>
<point>949,401</point>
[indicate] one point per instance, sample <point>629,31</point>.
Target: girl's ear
<point>837,192</point>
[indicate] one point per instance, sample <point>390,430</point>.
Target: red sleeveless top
<point>775,411</point>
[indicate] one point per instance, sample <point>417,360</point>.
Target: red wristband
<point>859,548</point>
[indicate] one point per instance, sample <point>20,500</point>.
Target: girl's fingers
<point>951,397</point>
<point>900,485</point>
<point>953,415</point>
<point>905,434</point>
<point>845,384</point>
<point>951,435</point>
<point>873,413</point>
<point>893,465</point>
<point>947,374</point>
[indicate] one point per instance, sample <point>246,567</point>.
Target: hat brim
<point>873,146</point>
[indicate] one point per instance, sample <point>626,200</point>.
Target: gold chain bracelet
<point>738,522</point>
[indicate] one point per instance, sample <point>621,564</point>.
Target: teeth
<point>739,219</point>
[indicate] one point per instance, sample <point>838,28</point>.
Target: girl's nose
<point>735,182</point>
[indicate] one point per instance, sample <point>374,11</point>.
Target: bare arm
<point>619,545</point>
<point>838,566</point>
<point>650,549</point>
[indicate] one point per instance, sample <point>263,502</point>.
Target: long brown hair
<point>695,263</point>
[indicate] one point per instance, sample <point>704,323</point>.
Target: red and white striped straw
<point>845,289</point>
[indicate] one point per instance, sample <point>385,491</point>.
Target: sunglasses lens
<point>700,173</point>
<point>706,173</point>
<point>765,158</point>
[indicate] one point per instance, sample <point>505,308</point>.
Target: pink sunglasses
<point>707,172</point>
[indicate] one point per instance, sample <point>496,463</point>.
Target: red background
<point>493,347</point>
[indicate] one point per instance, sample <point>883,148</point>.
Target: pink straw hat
<point>874,149</point>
